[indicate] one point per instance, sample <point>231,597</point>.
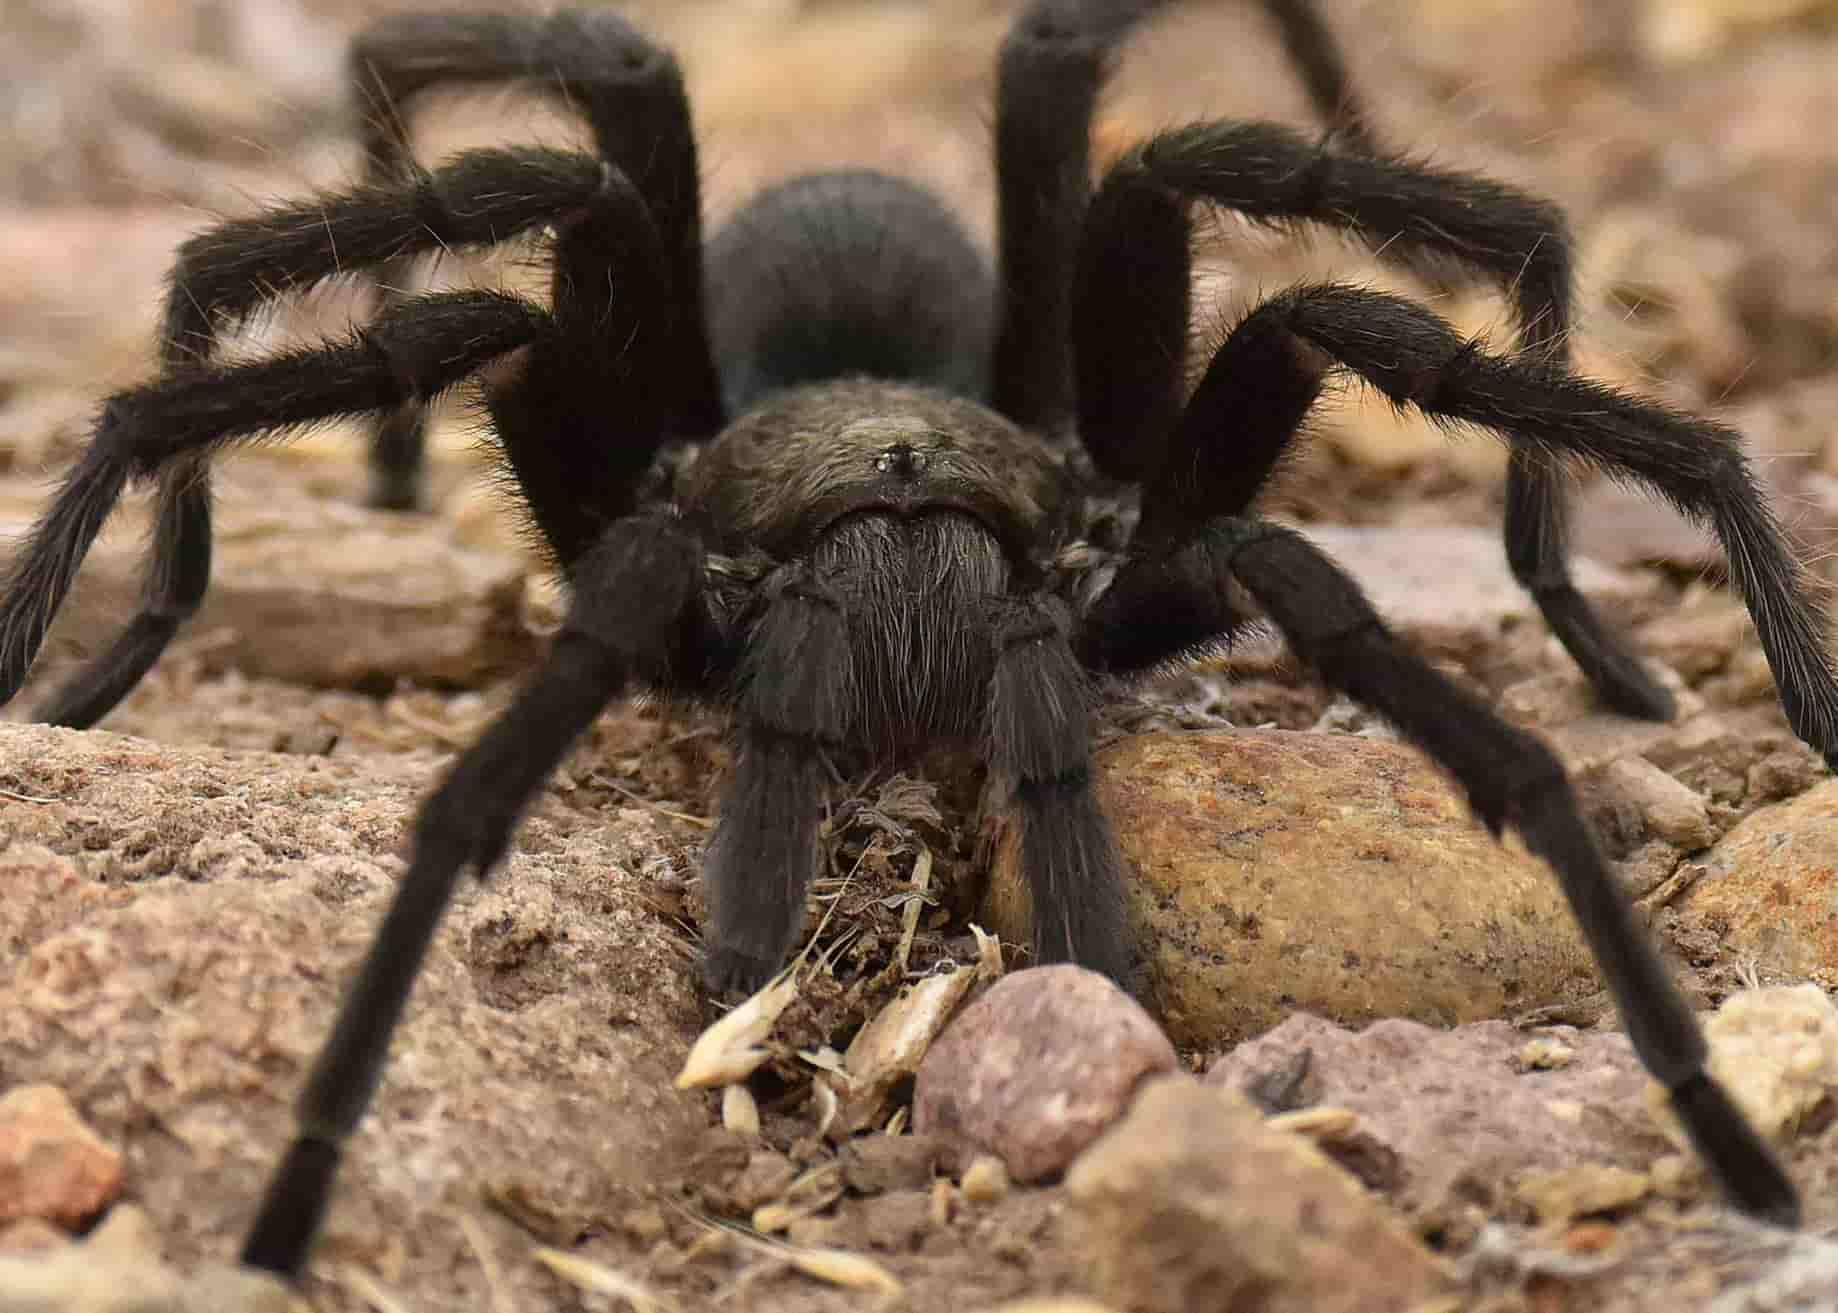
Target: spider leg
<point>419,350</point>
<point>1312,49</point>
<point>1272,363</point>
<point>1550,415</point>
<point>797,688</point>
<point>479,198</point>
<point>580,416</point>
<point>605,226</point>
<point>1052,64</point>
<point>1040,740</point>
<point>1509,777</point>
<point>636,614</point>
<point>1271,174</point>
<point>628,89</point>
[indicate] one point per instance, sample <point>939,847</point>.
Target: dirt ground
<point>201,884</point>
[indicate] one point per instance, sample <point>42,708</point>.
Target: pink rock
<point>1458,1107</point>
<point>1036,1069</point>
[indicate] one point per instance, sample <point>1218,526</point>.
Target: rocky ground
<point>1380,1074</point>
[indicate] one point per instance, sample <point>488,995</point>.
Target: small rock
<point>76,1280</point>
<point>52,1166</point>
<point>1546,1054</point>
<point>1582,1191</point>
<point>881,1164</point>
<point>1673,812</point>
<point>1051,1304</point>
<point>1037,1067</point>
<point>127,1231</point>
<point>1775,1051</point>
<point>1458,1108</point>
<point>767,1176</point>
<point>1191,1203</point>
<point>985,1180</point>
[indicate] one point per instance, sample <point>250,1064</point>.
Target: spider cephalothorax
<point>878,535</point>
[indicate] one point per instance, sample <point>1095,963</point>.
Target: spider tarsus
<point>1740,1160</point>
<point>732,974</point>
<point>281,1237</point>
<point>1618,677</point>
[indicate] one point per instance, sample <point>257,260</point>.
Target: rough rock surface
<point>1768,889</point>
<point>161,904</point>
<point>1457,1114</point>
<point>1335,874</point>
<point>311,591</point>
<point>117,1268</point>
<point>1037,1067</point>
<point>1191,1204</point>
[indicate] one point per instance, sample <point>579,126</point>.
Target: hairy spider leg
<point>222,276</point>
<point>630,92</point>
<point>1040,741</point>
<point>1048,74</point>
<point>1416,360</point>
<point>797,687</point>
<point>579,418</point>
<point>1507,775</point>
<point>1273,175</point>
<point>421,349</point>
<point>635,611</point>
<point>637,614</point>
<point>1311,47</point>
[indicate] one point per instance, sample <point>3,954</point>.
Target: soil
<point>213,873</point>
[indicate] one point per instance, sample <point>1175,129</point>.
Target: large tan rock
<point>1191,1204</point>
<point>1277,871</point>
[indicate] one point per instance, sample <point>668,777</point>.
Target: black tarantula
<point>888,533</point>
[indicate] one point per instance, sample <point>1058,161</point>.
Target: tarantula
<point>888,532</point>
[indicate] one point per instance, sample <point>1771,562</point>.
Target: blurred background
<point>1692,142</point>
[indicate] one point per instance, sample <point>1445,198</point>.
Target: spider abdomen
<point>848,272</point>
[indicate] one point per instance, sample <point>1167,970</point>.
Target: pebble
<point>1037,1067</point>
<point>52,1165</point>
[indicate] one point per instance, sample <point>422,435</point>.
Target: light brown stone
<point>1191,1204</point>
<point>1277,871</point>
<point>311,590</point>
<point>1769,888</point>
